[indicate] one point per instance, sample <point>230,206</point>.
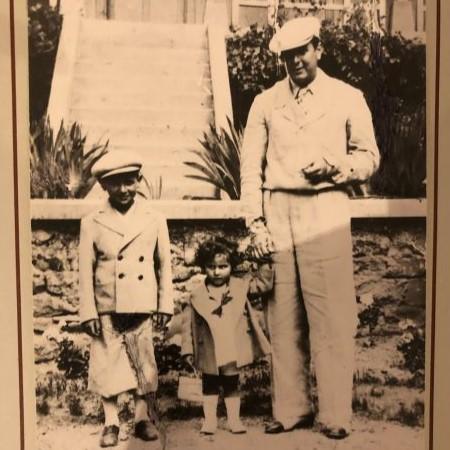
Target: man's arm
<point>253,156</point>
<point>363,156</point>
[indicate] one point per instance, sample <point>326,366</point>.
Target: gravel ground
<point>184,435</point>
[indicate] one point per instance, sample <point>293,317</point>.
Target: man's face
<point>121,188</point>
<point>301,63</point>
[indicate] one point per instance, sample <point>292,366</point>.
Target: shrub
<point>59,166</point>
<point>390,71</point>
<point>44,28</point>
<point>412,346</point>
<point>220,160</point>
<point>72,360</point>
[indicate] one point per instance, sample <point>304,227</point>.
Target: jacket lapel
<point>140,221</point>
<point>203,305</point>
<point>107,217</point>
<point>286,103</point>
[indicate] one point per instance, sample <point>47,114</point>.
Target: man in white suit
<point>308,138</point>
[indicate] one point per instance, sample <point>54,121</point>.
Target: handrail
<point>216,18</point>
<point>60,91</point>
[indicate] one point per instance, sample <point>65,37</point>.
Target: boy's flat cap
<point>115,162</point>
<point>295,33</point>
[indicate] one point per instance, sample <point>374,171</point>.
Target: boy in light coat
<point>125,278</point>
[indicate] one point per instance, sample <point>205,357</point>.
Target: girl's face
<point>218,270</point>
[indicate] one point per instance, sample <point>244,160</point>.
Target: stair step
<point>92,98</point>
<point>168,135</point>
<point>156,55</point>
<point>143,34</point>
<point>156,154</point>
<point>118,64</point>
<point>139,82</point>
<point>135,117</point>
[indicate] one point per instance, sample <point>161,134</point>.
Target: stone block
<point>44,349</point>
<point>46,305</point>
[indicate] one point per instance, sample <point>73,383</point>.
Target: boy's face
<point>218,270</point>
<point>301,63</point>
<point>121,188</point>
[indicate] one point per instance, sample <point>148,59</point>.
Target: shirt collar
<point>312,87</point>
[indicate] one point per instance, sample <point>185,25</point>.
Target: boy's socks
<point>233,405</point>
<point>110,411</point>
<point>140,409</point>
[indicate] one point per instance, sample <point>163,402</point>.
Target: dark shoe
<point>146,431</point>
<point>276,427</point>
<point>335,432</point>
<point>110,436</point>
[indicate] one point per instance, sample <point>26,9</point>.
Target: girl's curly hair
<point>207,251</point>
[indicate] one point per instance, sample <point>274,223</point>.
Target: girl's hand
<point>261,245</point>
<point>188,361</point>
<point>93,328</point>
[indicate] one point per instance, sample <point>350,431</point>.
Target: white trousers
<point>313,311</point>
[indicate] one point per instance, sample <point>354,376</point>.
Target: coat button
<point>140,277</point>
<point>141,258</point>
<point>120,257</point>
<point>121,275</point>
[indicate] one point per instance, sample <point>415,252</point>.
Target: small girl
<point>221,332</point>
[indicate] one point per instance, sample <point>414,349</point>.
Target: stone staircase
<point>146,87</point>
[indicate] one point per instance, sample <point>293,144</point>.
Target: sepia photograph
<point>228,204</point>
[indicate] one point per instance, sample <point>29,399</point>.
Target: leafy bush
<point>44,28</point>
<point>59,166</point>
<point>412,347</point>
<point>390,71</point>
<point>220,160</point>
<point>72,360</point>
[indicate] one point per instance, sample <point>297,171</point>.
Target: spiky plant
<point>59,166</point>
<point>220,157</point>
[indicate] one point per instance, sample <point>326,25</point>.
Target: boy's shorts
<point>123,358</point>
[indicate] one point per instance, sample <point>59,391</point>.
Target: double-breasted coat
<point>236,336</point>
<point>125,267</point>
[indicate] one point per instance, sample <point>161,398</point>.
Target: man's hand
<point>93,328</point>
<point>261,242</point>
<point>160,320</point>
<point>345,175</point>
<point>319,171</point>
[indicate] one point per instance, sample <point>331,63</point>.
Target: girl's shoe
<point>210,412</point>
<point>235,425</point>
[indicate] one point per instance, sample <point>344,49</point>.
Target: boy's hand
<point>160,320</point>
<point>92,327</point>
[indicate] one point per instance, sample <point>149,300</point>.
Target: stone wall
<point>389,263</point>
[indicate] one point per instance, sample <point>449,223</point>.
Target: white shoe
<point>235,425</point>
<point>210,412</point>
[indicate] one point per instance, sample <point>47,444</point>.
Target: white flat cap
<point>115,162</point>
<point>295,33</point>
